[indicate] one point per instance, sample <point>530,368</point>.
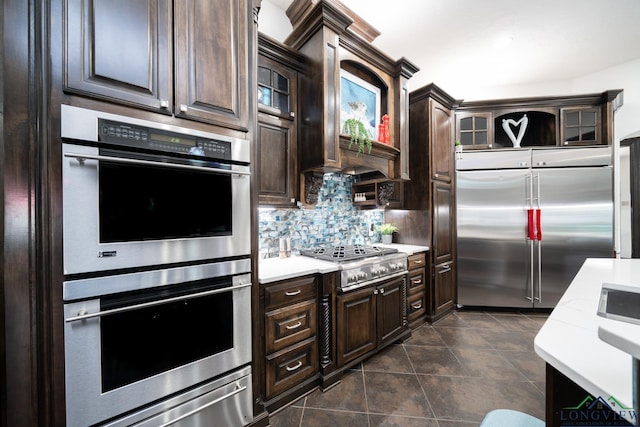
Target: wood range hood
<point>334,38</point>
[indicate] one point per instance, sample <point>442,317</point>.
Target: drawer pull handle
<point>416,281</point>
<point>418,261</point>
<point>294,326</point>
<point>293,368</point>
<point>417,306</point>
<point>292,293</point>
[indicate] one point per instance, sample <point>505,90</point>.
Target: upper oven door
<point>123,211</point>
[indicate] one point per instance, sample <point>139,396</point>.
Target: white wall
<point>273,21</point>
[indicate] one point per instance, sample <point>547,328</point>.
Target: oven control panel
<point>130,135</point>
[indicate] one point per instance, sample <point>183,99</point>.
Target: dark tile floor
<point>449,374</point>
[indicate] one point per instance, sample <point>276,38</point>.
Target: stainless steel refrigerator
<point>526,221</point>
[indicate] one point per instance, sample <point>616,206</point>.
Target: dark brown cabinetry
<point>416,289</point>
<point>277,141</point>
<point>441,141</point>
<point>431,129</point>
<point>369,318</point>
<point>291,345</point>
<point>188,58</point>
<point>323,32</point>
<point>550,121</point>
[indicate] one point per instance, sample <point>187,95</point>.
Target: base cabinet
<point>416,289</point>
<point>443,290</point>
<point>290,328</point>
<point>370,318</point>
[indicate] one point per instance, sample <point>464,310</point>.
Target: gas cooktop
<point>347,252</point>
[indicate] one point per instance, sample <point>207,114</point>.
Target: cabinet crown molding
<point>434,92</point>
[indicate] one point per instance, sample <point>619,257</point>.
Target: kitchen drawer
<point>290,292</point>
<point>416,280</point>
<point>416,261</point>
<point>416,306</point>
<point>288,325</point>
<point>291,366</point>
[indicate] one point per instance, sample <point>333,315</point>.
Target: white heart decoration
<point>506,125</point>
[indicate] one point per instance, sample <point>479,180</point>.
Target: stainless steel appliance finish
<point>144,194</point>
<point>362,265</point>
<point>526,221</point>
<point>228,398</point>
<point>133,340</point>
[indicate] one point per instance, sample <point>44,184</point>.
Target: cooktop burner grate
<point>347,252</point>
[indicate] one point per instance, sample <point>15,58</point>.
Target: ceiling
<point>462,44</point>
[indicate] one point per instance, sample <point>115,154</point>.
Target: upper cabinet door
<point>120,50</point>
<point>212,61</point>
<point>441,142</point>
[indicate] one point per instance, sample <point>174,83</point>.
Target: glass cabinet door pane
<point>281,101</point>
<point>481,123</point>
<point>573,134</point>
<point>466,138</point>
<point>588,133</point>
<point>573,119</point>
<point>481,138</point>
<point>264,76</point>
<point>264,95</point>
<point>280,82</point>
<point>588,118</point>
<point>466,123</point>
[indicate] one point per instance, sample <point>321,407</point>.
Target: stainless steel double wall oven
<point>157,290</point>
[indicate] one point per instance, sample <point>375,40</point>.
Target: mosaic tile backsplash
<point>332,221</point>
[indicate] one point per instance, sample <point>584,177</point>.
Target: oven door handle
<point>84,316</point>
<point>82,157</point>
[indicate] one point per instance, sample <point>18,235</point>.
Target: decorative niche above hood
<point>335,40</point>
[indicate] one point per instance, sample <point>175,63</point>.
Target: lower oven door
<point>226,401</point>
<point>126,350</point>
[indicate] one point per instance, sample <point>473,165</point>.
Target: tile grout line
<point>364,388</point>
<point>304,406</point>
<point>424,393</point>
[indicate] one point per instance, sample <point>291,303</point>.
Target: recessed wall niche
<point>540,131</point>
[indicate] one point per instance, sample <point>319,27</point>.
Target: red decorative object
<point>386,136</point>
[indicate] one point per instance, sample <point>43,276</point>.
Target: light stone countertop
<point>275,269</point>
<point>407,249</point>
<point>570,340</point>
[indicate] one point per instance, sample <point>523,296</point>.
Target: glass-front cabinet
<point>580,126</point>
<point>474,130</point>
<point>274,88</point>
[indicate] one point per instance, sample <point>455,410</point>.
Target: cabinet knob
<point>183,108</point>
<point>164,103</point>
<point>292,114</point>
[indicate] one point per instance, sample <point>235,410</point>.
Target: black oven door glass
<point>144,342</point>
<point>139,202</point>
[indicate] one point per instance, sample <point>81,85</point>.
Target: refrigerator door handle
<point>538,238</point>
<point>532,227</point>
<point>531,275</point>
